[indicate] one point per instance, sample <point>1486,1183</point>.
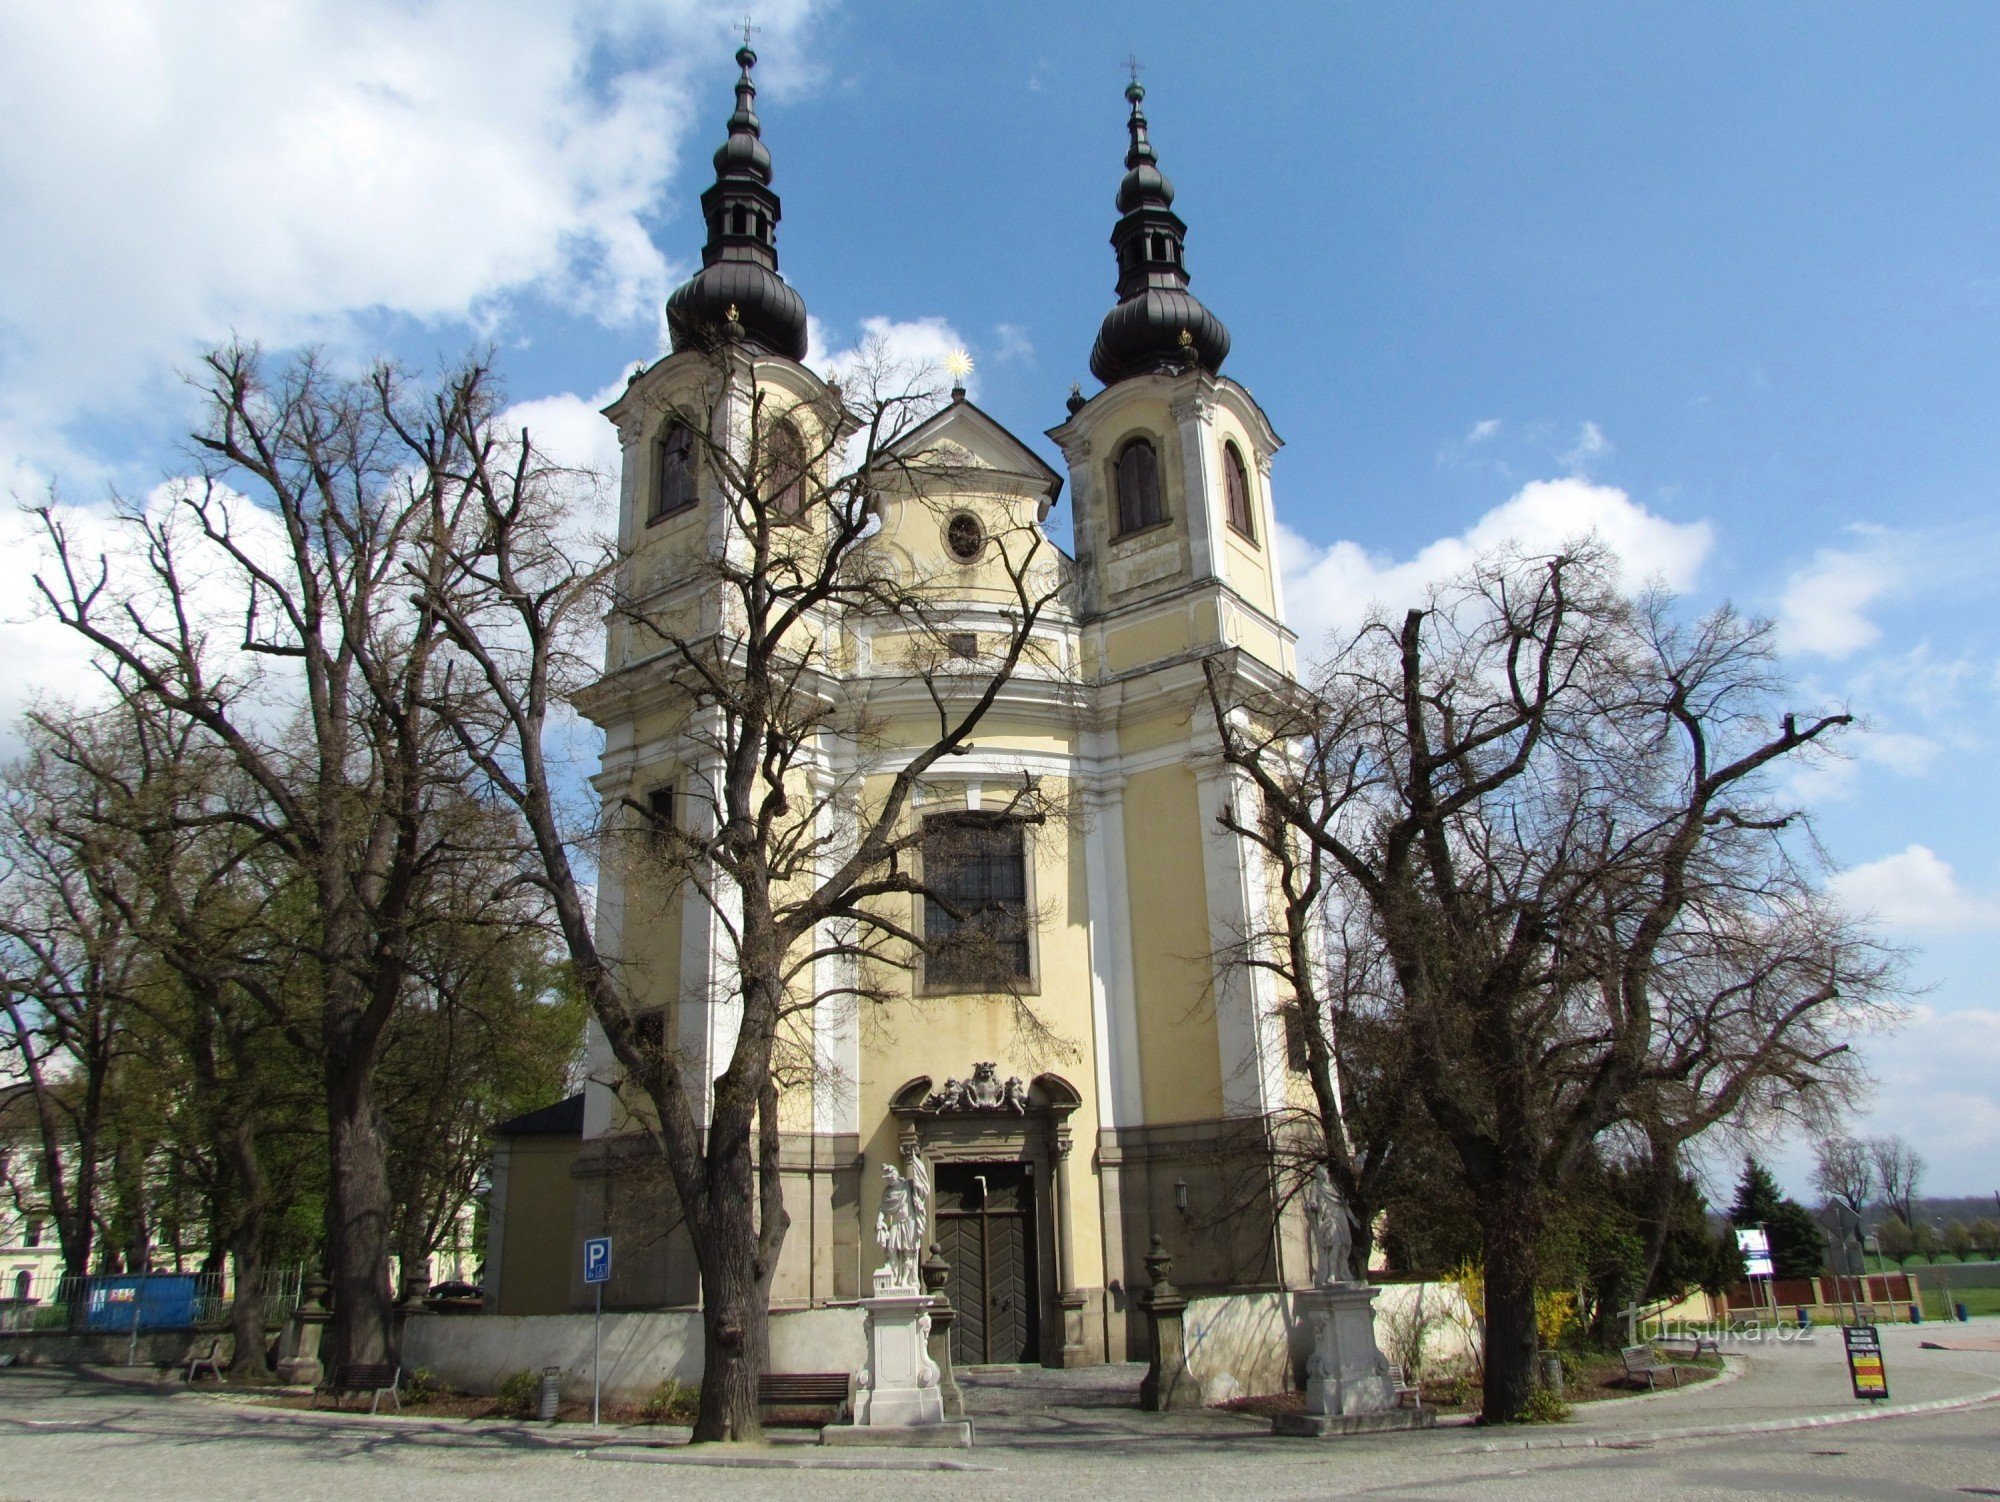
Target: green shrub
<point>518,1394</point>
<point>672,1402</point>
<point>1544,1407</point>
<point>421,1385</point>
<point>1454,1391</point>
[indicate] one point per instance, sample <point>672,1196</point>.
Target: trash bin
<point>1963,1317</point>
<point>1805,1317</point>
<point>1916,1314</point>
<point>551,1395</point>
<point>1552,1372</point>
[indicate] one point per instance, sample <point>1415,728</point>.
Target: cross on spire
<point>1132,63</point>
<point>746,28</point>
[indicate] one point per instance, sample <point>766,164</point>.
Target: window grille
<point>1139,487</point>
<point>977,866</point>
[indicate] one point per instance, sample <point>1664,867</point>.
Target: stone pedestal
<point>1168,1383</point>
<point>1348,1390</point>
<point>300,1364</point>
<point>898,1401</point>
<point>937,1272</point>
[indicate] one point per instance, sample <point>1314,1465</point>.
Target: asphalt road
<point>67,1437</point>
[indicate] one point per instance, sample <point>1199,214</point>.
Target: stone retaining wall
<point>640,1350</point>
<point>107,1347</point>
<point>1250,1344</point>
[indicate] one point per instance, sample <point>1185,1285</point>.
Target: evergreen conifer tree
<point>1795,1235</point>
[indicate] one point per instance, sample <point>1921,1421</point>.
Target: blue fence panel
<point>160,1301</point>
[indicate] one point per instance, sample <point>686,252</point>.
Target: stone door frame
<point>1034,1132</point>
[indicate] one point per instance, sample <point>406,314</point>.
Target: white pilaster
<point>1248,1033</point>
<point>836,1010</point>
<point>600,1098</point>
<point>711,997</point>
<point>1192,416</point>
<point>1114,1009</point>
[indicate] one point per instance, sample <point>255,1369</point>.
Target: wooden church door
<point>985,1216</point>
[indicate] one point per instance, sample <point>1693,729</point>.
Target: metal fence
<point>37,1300</point>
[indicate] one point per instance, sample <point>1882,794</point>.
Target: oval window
<point>964,536</point>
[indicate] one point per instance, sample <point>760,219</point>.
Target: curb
<point>1629,1438</point>
<point>809,1459</point>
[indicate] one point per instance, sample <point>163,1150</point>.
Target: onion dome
<point>738,296</point>
<point>1158,325</point>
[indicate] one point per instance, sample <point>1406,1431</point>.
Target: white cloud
<point>913,349</point>
<point>1824,608</point>
<point>1485,428</point>
<point>1591,446</point>
<point>41,658</point>
<point>194,169</point>
<point>1011,342</point>
<point>1935,1078</point>
<point>1335,587</point>
<point>1916,889</point>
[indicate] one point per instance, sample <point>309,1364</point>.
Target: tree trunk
<point>357,1223</point>
<point>1509,1224</point>
<point>250,1362</point>
<point>733,1318</point>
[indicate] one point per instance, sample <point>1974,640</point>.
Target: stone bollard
<point>1168,1383</point>
<point>936,1273</point>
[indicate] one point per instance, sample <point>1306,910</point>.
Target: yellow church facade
<point>1145,1098</point>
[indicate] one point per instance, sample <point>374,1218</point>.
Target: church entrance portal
<point>985,1229</point>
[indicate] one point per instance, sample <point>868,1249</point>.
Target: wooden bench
<point>368,1377</point>
<point>212,1361</point>
<point>1408,1394</point>
<point>806,1390</point>
<point>1641,1362</point>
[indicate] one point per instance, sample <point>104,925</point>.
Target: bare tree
<point>793,820</point>
<point>321,708</point>
<point>1549,802</point>
<point>1336,998</point>
<point>70,970</point>
<point>1899,1170</point>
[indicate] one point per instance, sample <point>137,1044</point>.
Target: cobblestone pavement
<point>1042,1437</point>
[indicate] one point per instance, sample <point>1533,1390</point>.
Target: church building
<point>1150,1101</point>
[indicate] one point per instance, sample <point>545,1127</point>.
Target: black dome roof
<point>1158,325</point>
<point>738,296</point>
<point>738,300</point>
<point>1162,328</point>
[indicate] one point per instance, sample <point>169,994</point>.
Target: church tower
<point>1170,470</point>
<point>1171,461</point>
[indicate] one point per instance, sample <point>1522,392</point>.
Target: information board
<point>1864,1362</point>
<point>1755,1247</point>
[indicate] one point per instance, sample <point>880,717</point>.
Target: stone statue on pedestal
<point>1330,1226</point>
<point>900,1225</point>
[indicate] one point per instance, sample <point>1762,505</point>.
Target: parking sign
<point>597,1259</point>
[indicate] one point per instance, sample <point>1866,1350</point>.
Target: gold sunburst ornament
<point>958,365</point>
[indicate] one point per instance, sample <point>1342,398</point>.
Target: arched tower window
<point>1139,487</point>
<point>1236,486</point>
<point>673,484</point>
<point>785,466</point>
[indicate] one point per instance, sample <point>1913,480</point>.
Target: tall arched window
<point>1236,488</point>
<point>673,485</point>
<point>785,471</point>
<point>1138,487</point>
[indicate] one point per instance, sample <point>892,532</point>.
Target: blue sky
<point>1722,280</point>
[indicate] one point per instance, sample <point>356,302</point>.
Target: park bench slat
<point>805,1390</point>
<point>1641,1362</point>
<point>369,1377</point>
